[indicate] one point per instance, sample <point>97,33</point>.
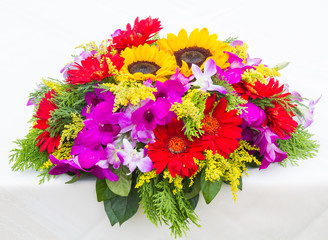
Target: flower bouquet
<point>157,121</point>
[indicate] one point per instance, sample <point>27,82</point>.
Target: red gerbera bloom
<point>221,128</point>
<point>140,33</point>
<point>173,149</point>
<point>279,121</point>
<point>258,90</point>
<point>92,69</point>
<point>46,106</point>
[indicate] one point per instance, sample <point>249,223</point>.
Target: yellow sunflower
<point>195,49</point>
<point>145,61</point>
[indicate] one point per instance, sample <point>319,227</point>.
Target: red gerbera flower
<point>92,69</point>
<point>258,90</point>
<point>279,121</point>
<point>46,106</point>
<point>140,33</point>
<point>221,128</point>
<point>173,149</point>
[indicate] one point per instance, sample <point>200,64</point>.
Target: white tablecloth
<point>37,38</point>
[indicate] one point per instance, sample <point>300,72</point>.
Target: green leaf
<point>194,189</point>
<point>76,178</point>
<point>119,209</point>
<point>103,192</point>
<point>123,185</point>
<point>193,201</point>
<point>240,186</point>
<point>210,189</point>
<point>110,213</point>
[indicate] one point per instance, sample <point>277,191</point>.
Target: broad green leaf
<point>103,192</point>
<point>119,209</point>
<point>193,201</point>
<point>110,213</point>
<point>77,178</point>
<point>210,189</point>
<point>194,189</point>
<point>123,185</point>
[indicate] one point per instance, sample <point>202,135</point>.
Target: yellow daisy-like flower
<point>145,61</point>
<point>195,49</point>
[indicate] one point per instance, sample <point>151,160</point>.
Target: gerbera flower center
<point>149,116</point>
<point>177,145</point>
<point>97,75</point>
<point>192,55</point>
<point>143,67</point>
<point>210,125</point>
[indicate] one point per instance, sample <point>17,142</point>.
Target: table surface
<point>37,39</point>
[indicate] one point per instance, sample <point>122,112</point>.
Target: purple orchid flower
<point>64,166</point>
<point>204,80</point>
<point>132,158</point>
<point>102,124</point>
<point>172,90</point>
<point>306,116</point>
<point>125,122</point>
<point>111,151</point>
<point>94,98</point>
<point>116,33</point>
<point>268,148</point>
<point>101,170</point>
<point>253,116</point>
<point>152,113</point>
<point>249,61</point>
<point>183,79</point>
<point>265,140</point>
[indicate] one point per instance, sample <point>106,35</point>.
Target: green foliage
<point>76,178</point>
<point>162,206</point>
<point>230,39</point>
<point>28,156</point>
<point>70,100</point>
<point>39,93</point>
<point>119,209</point>
<point>210,189</point>
<point>262,103</point>
<point>123,185</point>
<point>234,101</point>
<point>191,192</point>
<point>102,190</point>
<point>299,146</point>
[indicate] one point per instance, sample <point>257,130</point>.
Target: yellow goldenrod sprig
<point>129,91</point>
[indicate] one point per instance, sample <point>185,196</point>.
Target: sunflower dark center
<point>106,127</point>
<point>143,67</point>
<point>177,145</point>
<point>149,116</point>
<point>210,125</point>
<point>192,55</point>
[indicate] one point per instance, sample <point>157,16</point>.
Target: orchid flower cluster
<point>157,121</point>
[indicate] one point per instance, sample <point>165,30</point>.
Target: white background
<point>37,38</point>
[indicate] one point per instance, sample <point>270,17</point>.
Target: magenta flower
<point>204,80</point>
<point>253,116</point>
<point>183,79</point>
<point>64,166</point>
<point>102,125</point>
<point>172,90</point>
<point>152,113</point>
<point>94,98</point>
<point>265,139</point>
